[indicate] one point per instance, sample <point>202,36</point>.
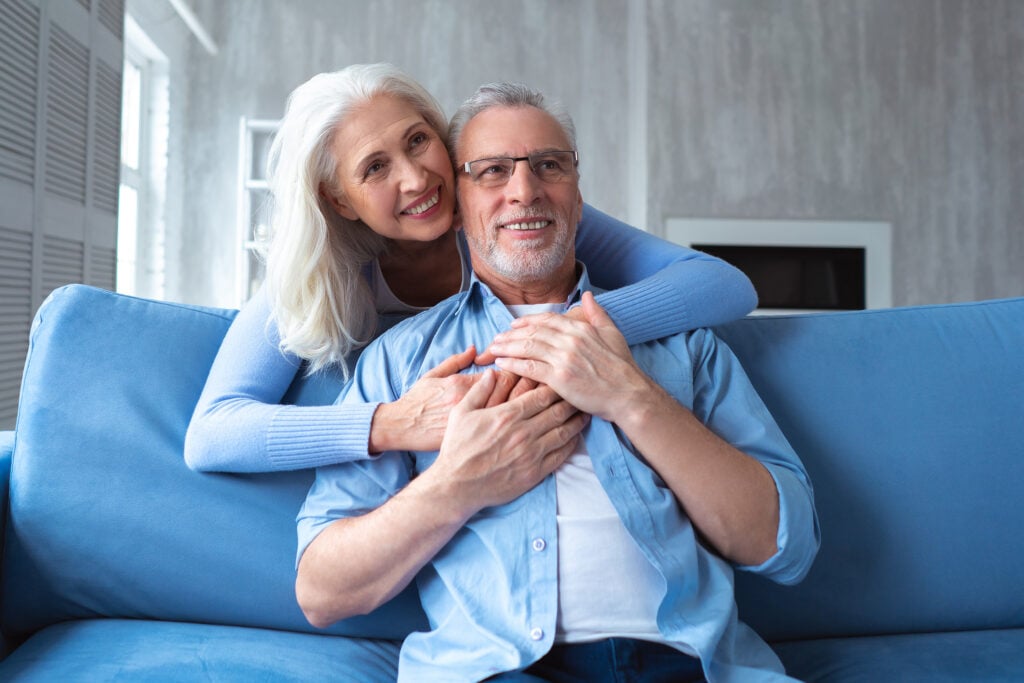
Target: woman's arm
<point>658,288</point>
<point>239,424</point>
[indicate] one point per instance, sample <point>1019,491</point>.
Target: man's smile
<point>527,225</point>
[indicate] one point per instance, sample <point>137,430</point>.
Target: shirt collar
<point>480,291</point>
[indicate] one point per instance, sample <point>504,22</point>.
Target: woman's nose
<point>413,175</point>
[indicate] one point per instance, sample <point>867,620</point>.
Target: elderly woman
<point>364,233</point>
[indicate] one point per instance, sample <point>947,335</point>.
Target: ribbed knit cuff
<point>306,437</point>
<point>646,311</point>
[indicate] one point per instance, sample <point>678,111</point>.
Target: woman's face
<point>393,173</point>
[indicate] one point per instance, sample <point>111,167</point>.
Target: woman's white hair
<point>319,299</point>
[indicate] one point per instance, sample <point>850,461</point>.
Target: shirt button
<point>539,544</point>
<point>537,633</point>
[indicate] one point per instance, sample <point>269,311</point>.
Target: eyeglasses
<point>549,167</point>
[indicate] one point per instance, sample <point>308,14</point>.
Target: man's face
<point>524,230</point>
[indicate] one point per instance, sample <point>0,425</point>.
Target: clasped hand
<point>581,355</point>
<point>500,433</point>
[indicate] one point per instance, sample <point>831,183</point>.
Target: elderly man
<point>551,544</point>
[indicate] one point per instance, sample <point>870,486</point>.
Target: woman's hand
<point>417,420</point>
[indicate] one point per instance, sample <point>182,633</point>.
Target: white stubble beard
<point>526,260</point>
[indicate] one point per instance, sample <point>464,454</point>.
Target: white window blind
<point>60,88</point>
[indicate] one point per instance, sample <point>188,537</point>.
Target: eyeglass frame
<point>516,160</point>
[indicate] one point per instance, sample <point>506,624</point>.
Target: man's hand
<point>729,496</point>
<point>492,455</point>
<point>417,420</point>
<point>587,362</point>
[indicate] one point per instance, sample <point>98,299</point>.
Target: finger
<point>502,388</point>
<point>596,315</point>
<point>558,415</point>
<point>533,319</point>
<point>534,402</point>
<point>453,364</point>
<point>530,368</point>
<point>523,385</point>
<point>576,313</point>
<point>538,343</point>
<point>562,441</point>
<point>485,358</point>
<point>522,330</point>
<point>554,321</point>
<point>476,397</point>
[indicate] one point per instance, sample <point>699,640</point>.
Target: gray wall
<point>905,111</point>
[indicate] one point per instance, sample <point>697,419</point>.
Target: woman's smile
<point>422,207</point>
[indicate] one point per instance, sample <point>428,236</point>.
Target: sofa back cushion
<point>911,424</point>
<point>106,519</point>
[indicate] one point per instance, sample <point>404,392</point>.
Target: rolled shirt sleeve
<point>726,401</point>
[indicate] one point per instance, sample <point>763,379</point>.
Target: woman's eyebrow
<point>363,160</point>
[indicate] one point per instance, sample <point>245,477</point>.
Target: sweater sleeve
<point>657,288</point>
<point>239,424</point>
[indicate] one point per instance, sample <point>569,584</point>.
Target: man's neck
<point>552,289</point>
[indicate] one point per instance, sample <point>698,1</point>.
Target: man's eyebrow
<point>542,150</point>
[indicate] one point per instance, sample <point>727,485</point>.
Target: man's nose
<point>523,187</point>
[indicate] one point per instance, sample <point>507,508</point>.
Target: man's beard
<point>525,259</point>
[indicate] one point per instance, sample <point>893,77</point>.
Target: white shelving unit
<point>254,136</point>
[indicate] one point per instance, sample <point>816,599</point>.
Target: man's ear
<point>338,204</point>
<point>456,218</point>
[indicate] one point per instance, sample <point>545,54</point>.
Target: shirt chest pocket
<point>673,373</point>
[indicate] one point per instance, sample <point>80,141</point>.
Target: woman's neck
<point>423,273</point>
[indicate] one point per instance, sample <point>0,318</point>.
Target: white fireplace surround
<point>875,238</point>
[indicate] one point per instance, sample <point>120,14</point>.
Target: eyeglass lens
<point>550,167</point>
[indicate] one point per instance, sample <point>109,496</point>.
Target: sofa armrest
<point>6,451</point>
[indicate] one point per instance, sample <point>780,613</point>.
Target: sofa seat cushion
<point>995,656</point>
<point>129,650</point>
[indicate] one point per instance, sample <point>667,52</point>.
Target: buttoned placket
<point>541,534</point>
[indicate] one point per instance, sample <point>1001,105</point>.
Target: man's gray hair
<point>504,95</point>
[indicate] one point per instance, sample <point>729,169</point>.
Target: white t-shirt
<point>606,587</point>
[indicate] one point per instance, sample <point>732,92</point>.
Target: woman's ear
<point>338,204</point>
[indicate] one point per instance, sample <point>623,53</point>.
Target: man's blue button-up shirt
<point>491,594</point>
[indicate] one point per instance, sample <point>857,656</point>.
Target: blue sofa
<point>121,563</point>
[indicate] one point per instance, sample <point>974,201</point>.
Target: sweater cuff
<point>307,437</point>
<point>646,311</point>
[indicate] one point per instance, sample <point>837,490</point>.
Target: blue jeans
<point>616,660</point>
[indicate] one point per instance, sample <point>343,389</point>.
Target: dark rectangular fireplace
<point>813,278</point>
<point>800,266</point>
